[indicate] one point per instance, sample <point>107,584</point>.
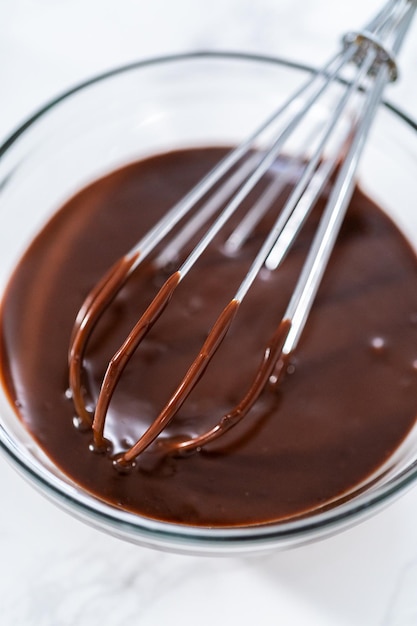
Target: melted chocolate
<point>347,399</point>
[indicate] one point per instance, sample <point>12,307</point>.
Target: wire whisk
<point>360,70</point>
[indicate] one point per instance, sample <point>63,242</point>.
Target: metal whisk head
<point>334,152</point>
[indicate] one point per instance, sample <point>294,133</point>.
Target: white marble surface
<point>55,571</point>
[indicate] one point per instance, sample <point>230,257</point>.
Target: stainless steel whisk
<point>335,155</point>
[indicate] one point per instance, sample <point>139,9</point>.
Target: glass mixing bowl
<point>128,114</point>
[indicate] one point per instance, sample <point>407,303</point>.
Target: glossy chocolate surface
<point>346,401</point>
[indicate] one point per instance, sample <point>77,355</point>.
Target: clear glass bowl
<point>156,106</point>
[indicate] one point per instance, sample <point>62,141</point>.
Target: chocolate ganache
<point>346,400</point>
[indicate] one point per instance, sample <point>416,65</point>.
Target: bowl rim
<point>80,502</point>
